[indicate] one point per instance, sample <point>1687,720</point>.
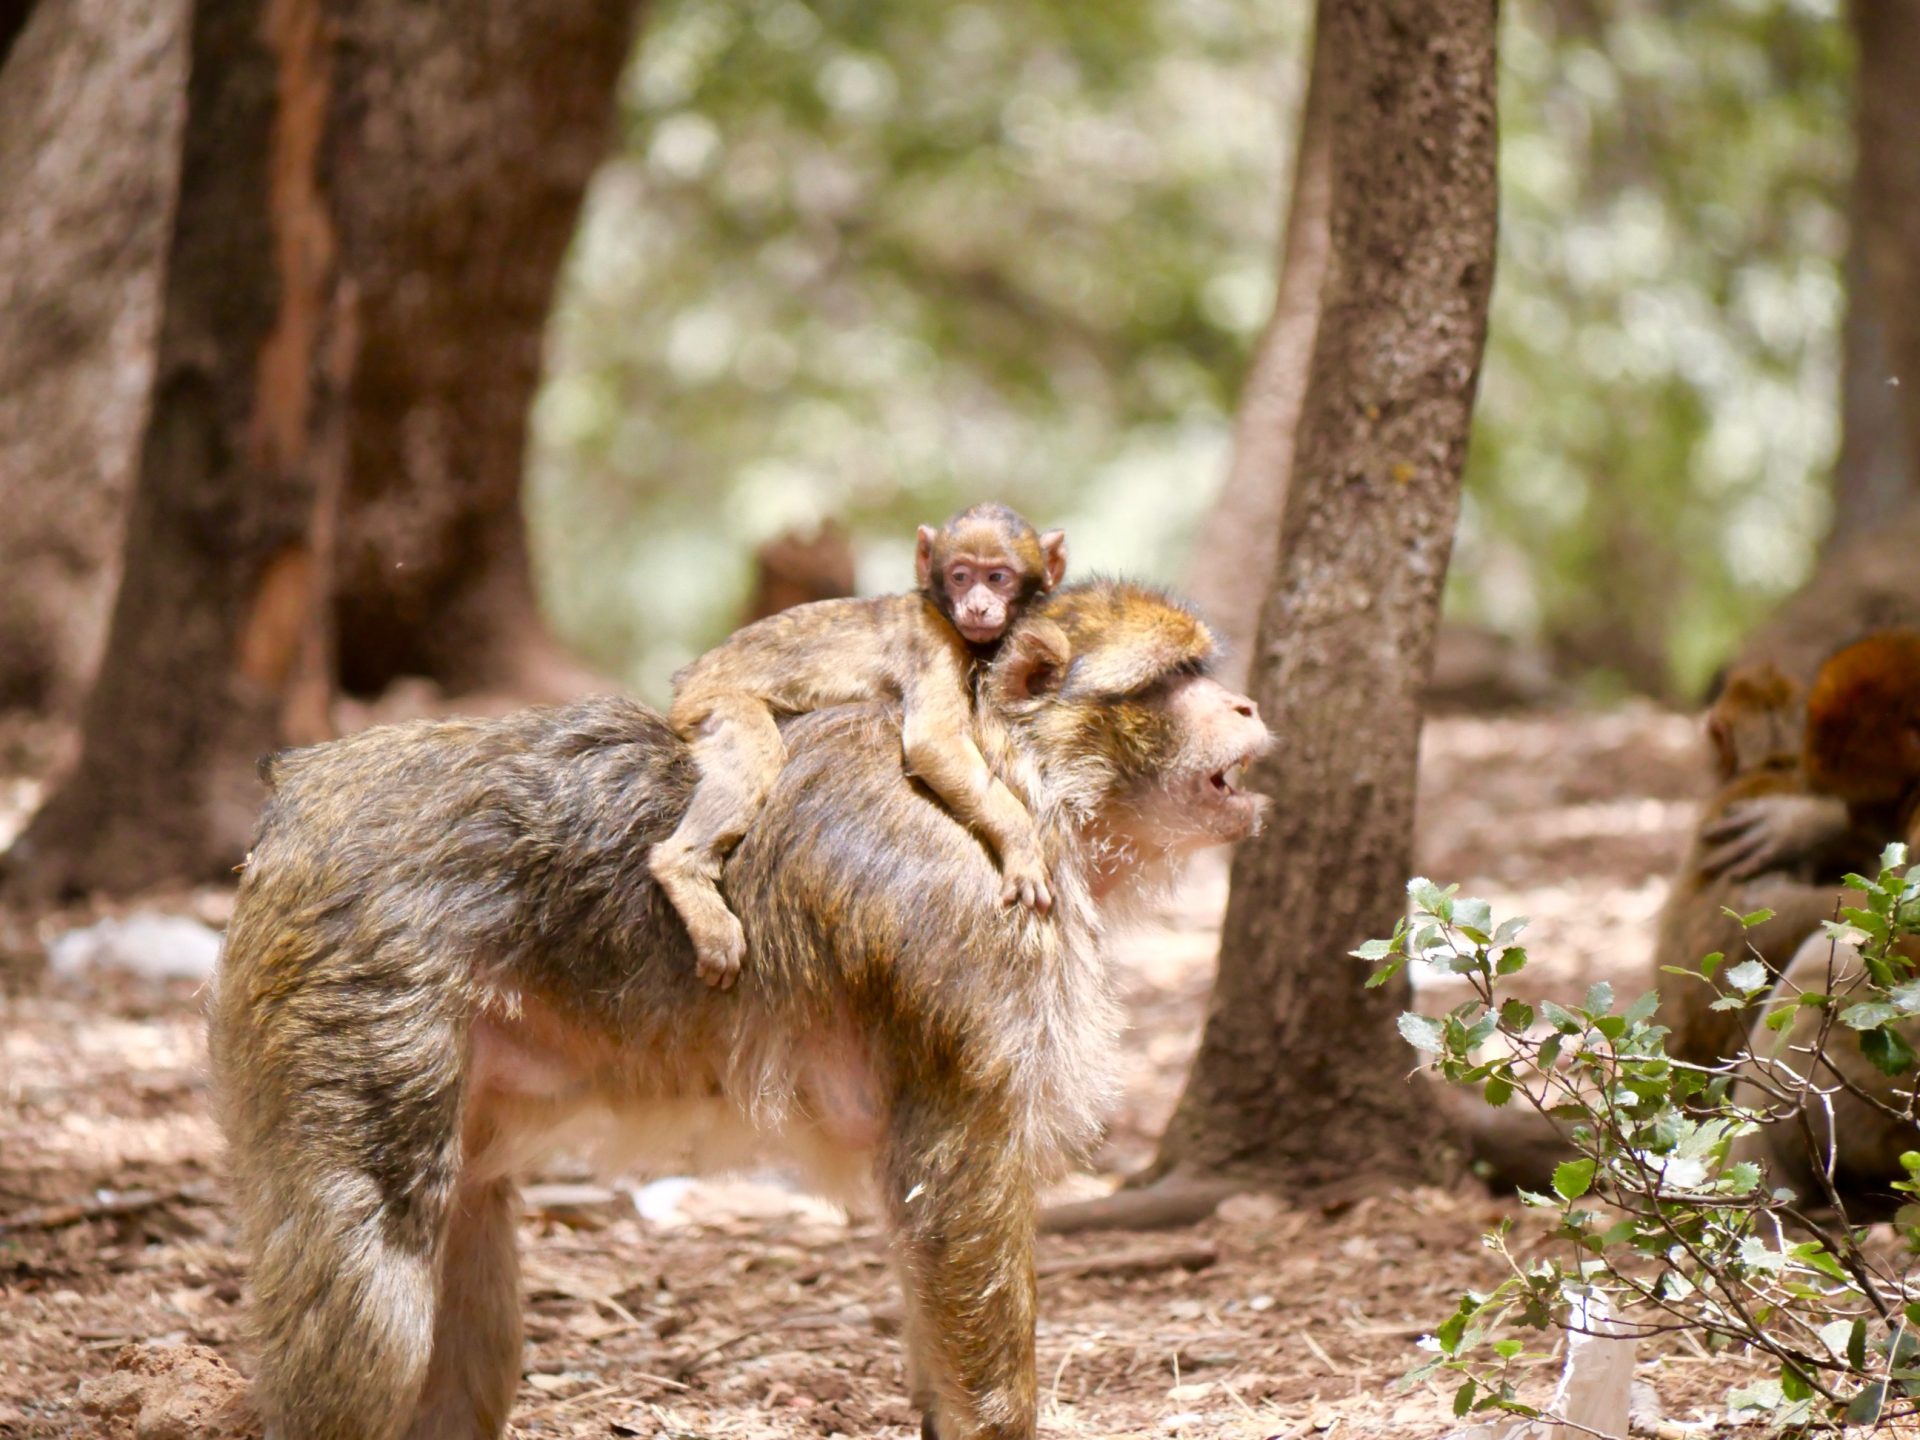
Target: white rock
<point>161,947</point>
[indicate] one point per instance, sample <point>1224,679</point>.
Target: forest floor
<point>740,1309</point>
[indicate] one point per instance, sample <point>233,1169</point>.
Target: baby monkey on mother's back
<point>976,573</point>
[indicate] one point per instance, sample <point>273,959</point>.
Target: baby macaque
<point>975,575</point>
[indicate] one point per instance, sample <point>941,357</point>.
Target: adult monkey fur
<point>1868,585</point>
<point>447,956</point>
<point>1756,729</point>
<point>1862,747</point>
<point>976,573</point>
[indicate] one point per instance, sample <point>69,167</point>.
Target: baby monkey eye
<point>998,577</point>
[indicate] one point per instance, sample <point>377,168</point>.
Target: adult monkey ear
<point>1035,661</point>
<point>923,556</point>
<point>1053,555</point>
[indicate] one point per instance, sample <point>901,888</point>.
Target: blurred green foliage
<point>873,261</point>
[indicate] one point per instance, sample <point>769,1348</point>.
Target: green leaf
<point>1499,1090</point>
<point>1423,1032</point>
<point>1516,1014</point>
<point>1374,950</point>
<point>1548,1053</point>
<point>1866,1405</point>
<point>1642,1009</point>
<point>1742,1178</point>
<point>1857,1344</point>
<point>1506,1349</point>
<point>1425,894</point>
<point>1561,1018</point>
<point>1888,1050</point>
<point>1509,930</point>
<point>1573,1178</point>
<point>1780,1017</point>
<point>1869,1015</point>
<point>1386,972</point>
<point>1748,976</point>
<point>1755,917</point>
<point>1813,1255</point>
<point>1512,961</point>
<point>1463,1397</point>
<point>1471,914</point>
<point>1793,1385</point>
<point>1599,998</point>
<point>1711,963</point>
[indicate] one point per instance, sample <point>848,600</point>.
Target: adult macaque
<point>1862,747</point>
<point>448,957</point>
<point>1868,585</point>
<point>976,573</point>
<point>1755,729</point>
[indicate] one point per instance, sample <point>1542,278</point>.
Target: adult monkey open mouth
<point>448,958</point>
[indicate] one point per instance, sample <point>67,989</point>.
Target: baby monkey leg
<point>739,752</point>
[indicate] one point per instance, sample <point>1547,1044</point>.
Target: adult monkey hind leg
<point>963,1223</point>
<point>739,752</point>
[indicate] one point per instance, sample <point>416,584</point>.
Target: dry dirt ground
<point>740,1309</point>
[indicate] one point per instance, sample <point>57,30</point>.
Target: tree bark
<point>1299,1077</point>
<point>466,138</point>
<point>373,202</point>
<point>1887,189</point>
<point>1233,556</point>
<point>83,231</point>
<point>1873,481</point>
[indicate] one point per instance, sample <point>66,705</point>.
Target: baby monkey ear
<point>1036,661</point>
<point>923,555</point>
<point>1053,555</point>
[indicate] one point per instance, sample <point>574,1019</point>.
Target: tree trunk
<point>1234,553</point>
<point>456,209</point>
<point>1299,1078</point>
<point>83,231</point>
<point>14,15</point>
<point>1887,190</point>
<point>1873,480</point>
<point>373,202</point>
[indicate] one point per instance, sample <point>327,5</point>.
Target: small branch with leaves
<point>1680,1208</point>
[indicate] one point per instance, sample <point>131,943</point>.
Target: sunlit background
<point>871,261</point>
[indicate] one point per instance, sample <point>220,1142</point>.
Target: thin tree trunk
<point>1300,1074</point>
<point>1887,191</point>
<point>1872,479</point>
<point>1234,553</point>
<point>373,202</point>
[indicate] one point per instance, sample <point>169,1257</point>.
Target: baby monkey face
<point>983,565</point>
<point>982,591</point>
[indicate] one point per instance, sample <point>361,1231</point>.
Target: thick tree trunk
<point>1887,190</point>
<point>1300,1075</point>
<point>1233,555</point>
<point>467,136</point>
<point>374,199</point>
<point>84,220</point>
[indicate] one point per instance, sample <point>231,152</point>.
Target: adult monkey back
<point>447,957</point>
